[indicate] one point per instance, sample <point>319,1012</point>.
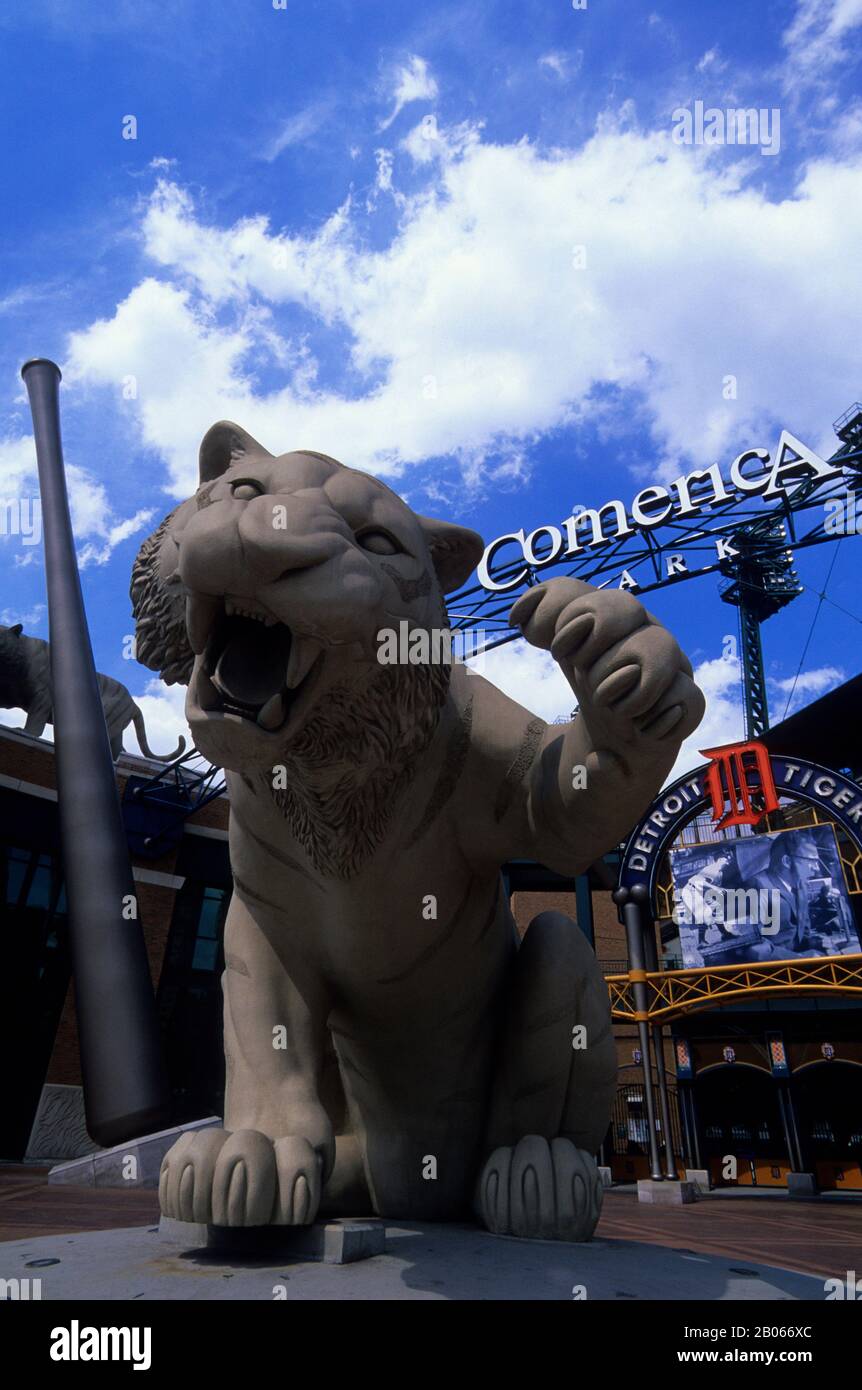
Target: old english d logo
<point>735,772</point>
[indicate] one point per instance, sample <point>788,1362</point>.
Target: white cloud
<point>846,130</point>
<point>413,82</point>
<point>724,719</point>
<point>88,502</point>
<point>116,534</point>
<point>24,295</point>
<point>18,467</point>
<point>529,676</point>
<point>384,161</point>
<point>474,328</point>
<point>91,510</point>
<point>816,40</point>
<point>429,141</point>
<point>94,518</point>
<point>187,371</point>
<point>562,65</point>
<point>812,682</point>
<point>30,619</point>
<point>800,690</point>
<point>711,61</point>
<point>296,129</point>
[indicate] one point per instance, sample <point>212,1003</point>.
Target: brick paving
<point>29,1207</point>
<point>809,1237</point>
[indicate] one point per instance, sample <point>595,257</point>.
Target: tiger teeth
<point>239,610</point>
<point>303,654</point>
<point>208,696</point>
<point>201,613</point>
<point>271,717</point>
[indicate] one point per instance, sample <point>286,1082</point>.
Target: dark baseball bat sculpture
<point>125,1093</point>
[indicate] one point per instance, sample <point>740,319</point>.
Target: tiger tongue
<point>252,665</point>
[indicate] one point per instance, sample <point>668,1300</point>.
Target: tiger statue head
<point>266,593</point>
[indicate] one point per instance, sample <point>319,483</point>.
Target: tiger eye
<point>245,492</point>
<point>378,543</point>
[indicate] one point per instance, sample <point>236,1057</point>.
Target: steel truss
<point>672,993</point>
<point>156,808</point>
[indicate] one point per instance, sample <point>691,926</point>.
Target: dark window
<point>34,978</point>
<point>189,996</point>
<point>17,861</point>
<point>212,912</point>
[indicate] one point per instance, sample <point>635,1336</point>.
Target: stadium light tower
<point>761,581</point>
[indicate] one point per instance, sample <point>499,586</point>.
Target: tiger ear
<point>223,444</point>
<point>455,551</point>
<point>17,630</point>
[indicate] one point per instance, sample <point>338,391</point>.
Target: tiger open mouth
<point>253,666</point>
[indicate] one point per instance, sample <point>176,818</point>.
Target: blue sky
<point>349,225</point>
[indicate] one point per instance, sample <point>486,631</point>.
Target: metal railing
<point>621,966</point>
<point>851,414</point>
<point>676,992</point>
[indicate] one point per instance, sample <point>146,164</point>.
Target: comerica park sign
<point>753,472</point>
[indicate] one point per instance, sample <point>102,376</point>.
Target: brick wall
<point>32,761</point>
<point>526,906</point>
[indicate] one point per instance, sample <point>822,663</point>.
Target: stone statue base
<point>332,1242</point>
<point>668,1193</point>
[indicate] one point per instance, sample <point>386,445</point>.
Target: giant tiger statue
<point>390,1048</point>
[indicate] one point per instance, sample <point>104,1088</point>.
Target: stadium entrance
<point>742,1126</point>
<point>763,1005</point>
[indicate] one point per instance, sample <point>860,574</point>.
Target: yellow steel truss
<point>675,992</point>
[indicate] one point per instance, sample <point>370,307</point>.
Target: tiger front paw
<point>242,1178</point>
<point>540,1190</point>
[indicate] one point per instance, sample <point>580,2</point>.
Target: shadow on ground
<point>422,1261</point>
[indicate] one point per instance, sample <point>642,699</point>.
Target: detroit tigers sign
<point>796,778</point>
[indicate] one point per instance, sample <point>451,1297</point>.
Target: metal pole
<point>688,1146</point>
<point>664,1101</point>
<point>125,1093</point>
<point>788,1137</point>
<point>692,1110</point>
<point>630,901</point>
<point>651,957</point>
<point>793,1127</point>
